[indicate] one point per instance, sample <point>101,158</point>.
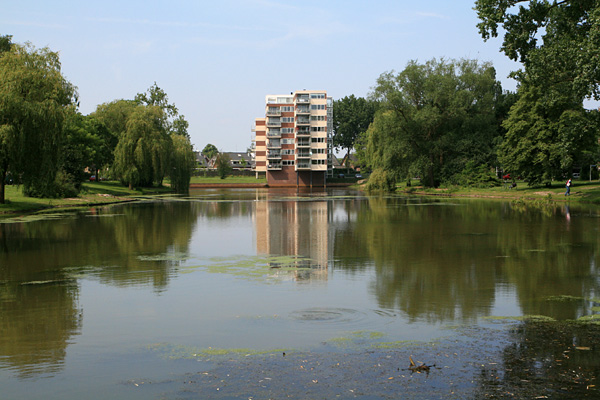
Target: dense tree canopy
<point>558,41</point>
<point>351,117</point>
<point>546,137</point>
<point>33,98</point>
<point>183,163</point>
<point>142,156</point>
<point>210,150</point>
<point>435,117</point>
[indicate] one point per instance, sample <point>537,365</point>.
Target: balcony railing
<point>273,166</point>
<point>303,100</point>
<point>274,124</point>
<point>304,154</point>
<point>303,132</point>
<point>303,165</point>
<point>273,155</point>
<point>272,133</point>
<point>302,110</point>
<point>272,144</point>
<point>303,143</point>
<point>302,121</point>
<point>274,112</point>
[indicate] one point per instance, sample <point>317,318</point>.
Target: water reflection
<point>411,260</point>
<point>290,226</point>
<point>40,263</point>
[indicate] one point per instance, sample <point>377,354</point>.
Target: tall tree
<point>142,156</point>
<point>558,41</point>
<point>435,117</point>
<point>546,136</point>
<point>183,163</point>
<point>210,150</point>
<point>33,99</point>
<point>351,117</point>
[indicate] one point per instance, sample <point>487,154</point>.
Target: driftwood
<point>419,368</point>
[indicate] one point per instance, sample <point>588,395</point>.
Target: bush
<point>381,180</point>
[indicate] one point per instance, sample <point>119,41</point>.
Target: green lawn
<point>581,191</point>
<point>93,193</point>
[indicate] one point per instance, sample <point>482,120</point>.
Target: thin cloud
<point>35,24</point>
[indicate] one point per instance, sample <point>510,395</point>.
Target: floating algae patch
<point>398,344</point>
<point>594,318</point>
<point>176,256</point>
<point>565,298</point>
<point>178,352</point>
<point>36,217</point>
<point>256,267</point>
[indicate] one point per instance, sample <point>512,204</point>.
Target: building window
<point>318,129</point>
<point>317,95</point>
<point>318,107</point>
<point>287,141</point>
<point>287,152</point>
<point>287,162</point>
<point>317,140</point>
<point>318,118</point>
<point>287,119</point>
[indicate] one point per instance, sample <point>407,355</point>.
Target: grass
<point>93,193</point>
<point>581,191</point>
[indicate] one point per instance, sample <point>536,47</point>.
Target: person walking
<point>568,192</point>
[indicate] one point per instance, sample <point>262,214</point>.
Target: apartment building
<point>293,142</point>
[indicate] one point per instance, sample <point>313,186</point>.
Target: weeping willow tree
<point>143,154</point>
<point>33,99</point>
<point>182,164</point>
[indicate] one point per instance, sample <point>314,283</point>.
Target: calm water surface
<point>92,301</point>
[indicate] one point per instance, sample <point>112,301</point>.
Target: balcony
<point>302,110</point>
<point>274,166</point>
<point>303,99</point>
<point>302,121</point>
<point>274,155</point>
<point>303,165</point>
<point>273,123</point>
<point>274,111</point>
<point>274,144</point>
<point>303,143</point>
<point>274,133</point>
<point>303,132</point>
<point>304,154</point>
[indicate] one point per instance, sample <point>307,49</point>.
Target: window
<point>318,107</point>
<point>287,152</point>
<point>319,162</point>
<point>287,108</point>
<point>317,95</point>
<point>287,130</point>
<point>318,129</point>
<point>287,162</point>
<point>317,140</point>
<point>283,100</point>
<point>287,119</point>
<point>318,118</point>
<point>287,141</point>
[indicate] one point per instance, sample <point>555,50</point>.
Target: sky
<point>217,60</point>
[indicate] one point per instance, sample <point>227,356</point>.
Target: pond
<point>255,293</point>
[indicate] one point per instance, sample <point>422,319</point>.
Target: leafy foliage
<point>547,135</point>
<point>557,41</point>
<point>223,165</point>
<point>33,99</point>
<point>210,150</point>
<point>142,156</point>
<point>435,117</point>
<point>182,164</point>
<point>351,117</point>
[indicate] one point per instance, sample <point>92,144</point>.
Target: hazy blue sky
<point>218,59</point>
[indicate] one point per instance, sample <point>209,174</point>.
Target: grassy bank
<point>92,194</point>
<point>581,191</point>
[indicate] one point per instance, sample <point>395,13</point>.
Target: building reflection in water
<point>288,225</point>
